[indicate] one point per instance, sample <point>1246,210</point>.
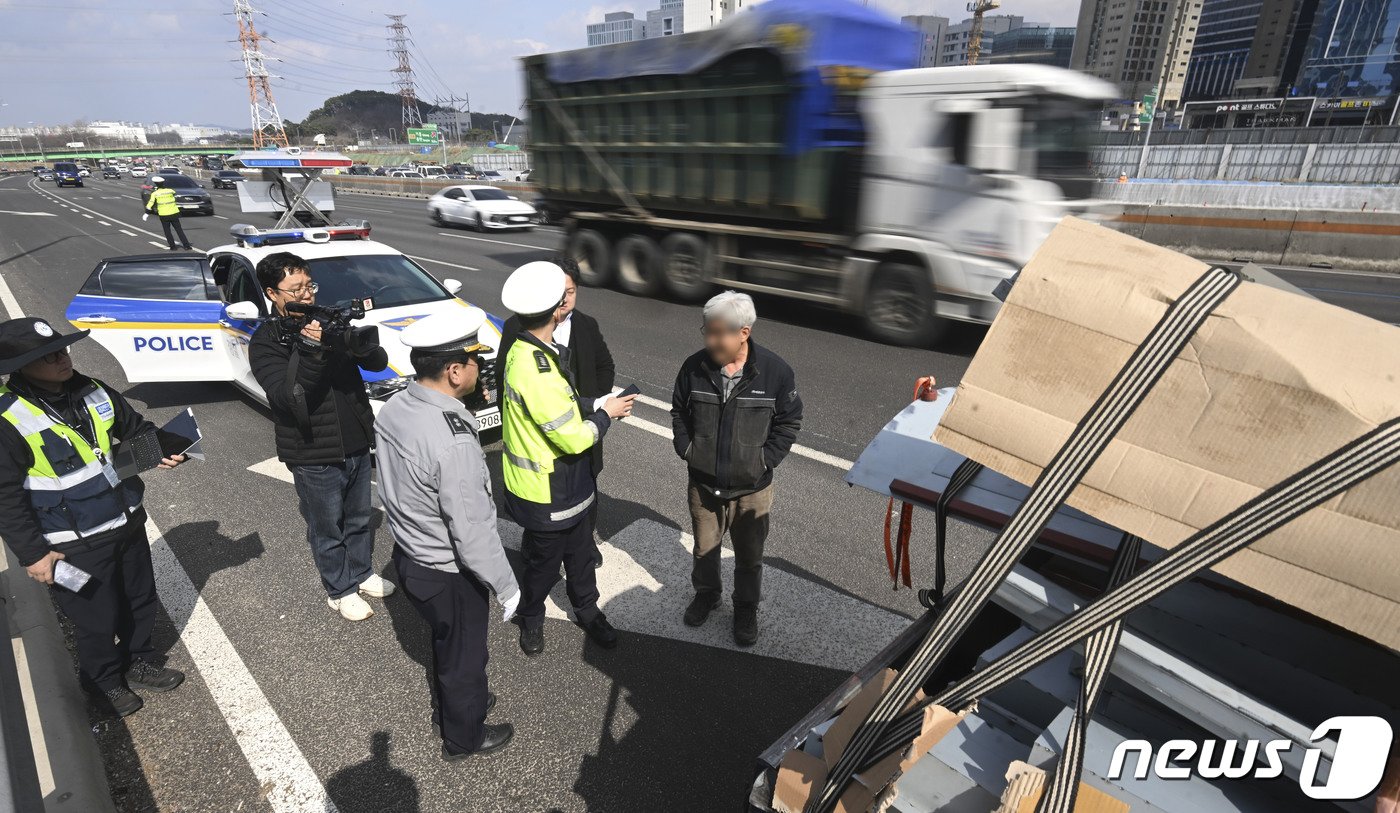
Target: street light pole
<point>1169,63</point>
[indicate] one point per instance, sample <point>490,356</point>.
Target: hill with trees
<point>360,113</point>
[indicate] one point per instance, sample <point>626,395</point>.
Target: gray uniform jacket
<point>436,487</point>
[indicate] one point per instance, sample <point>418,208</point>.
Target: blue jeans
<point>335,502</point>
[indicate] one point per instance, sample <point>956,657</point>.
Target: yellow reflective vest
<point>163,201</point>
<point>72,486</point>
<point>548,473</point>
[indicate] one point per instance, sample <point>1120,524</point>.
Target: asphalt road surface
<point>289,708</point>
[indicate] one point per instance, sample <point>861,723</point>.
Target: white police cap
<point>157,179</point>
<point>454,331</point>
<point>534,288</point>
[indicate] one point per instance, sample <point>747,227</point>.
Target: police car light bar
<point>289,158</point>
<point>253,237</point>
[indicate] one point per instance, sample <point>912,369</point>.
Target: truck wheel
<point>591,250</point>
<point>686,266</point>
<point>639,265</point>
<point>899,306</point>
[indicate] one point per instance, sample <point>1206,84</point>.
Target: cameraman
<point>324,430</point>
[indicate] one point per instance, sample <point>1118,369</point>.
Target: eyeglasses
<point>52,358</point>
<point>300,290</point>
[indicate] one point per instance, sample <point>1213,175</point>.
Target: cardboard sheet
<point>1271,382</point>
<point>1025,784</point>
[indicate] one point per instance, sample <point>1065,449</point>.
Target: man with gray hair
<point>735,414</point>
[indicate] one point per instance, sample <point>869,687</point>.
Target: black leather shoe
<point>156,678</point>
<point>497,737</point>
<point>601,632</point>
<point>123,701</point>
<point>700,608</point>
<point>745,626</point>
<point>531,640</point>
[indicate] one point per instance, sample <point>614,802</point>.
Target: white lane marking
<point>27,214</point>
<point>103,223</point>
<point>221,217</point>
<point>127,232</point>
<point>644,586</point>
<point>283,773</point>
<point>499,242</point>
<point>440,262</point>
<point>94,211</point>
<point>797,448</point>
<point>7,298</point>
<point>86,215</point>
<point>288,781</point>
<point>158,244</point>
<point>274,468</point>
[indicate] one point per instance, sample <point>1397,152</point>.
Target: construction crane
<point>974,37</point>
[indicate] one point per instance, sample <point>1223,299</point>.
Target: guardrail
<point>50,760</point>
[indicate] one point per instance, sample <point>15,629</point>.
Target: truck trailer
<point>795,151</point>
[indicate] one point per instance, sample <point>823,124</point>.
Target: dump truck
<point>796,151</point>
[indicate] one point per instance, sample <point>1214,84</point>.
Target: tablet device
<point>632,389</point>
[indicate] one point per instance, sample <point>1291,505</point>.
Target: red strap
<point>906,527</point>
<point>889,551</point>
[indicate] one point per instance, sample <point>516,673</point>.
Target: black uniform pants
<point>456,608</point>
<point>168,222</point>
<point>113,614</point>
<point>543,551</point>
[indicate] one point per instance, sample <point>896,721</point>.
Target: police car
<point>190,316</point>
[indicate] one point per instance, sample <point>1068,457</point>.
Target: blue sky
<point>177,60</point>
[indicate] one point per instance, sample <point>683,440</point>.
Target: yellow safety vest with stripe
<point>72,486</point>
<point>547,470</point>
<point>163,201</point>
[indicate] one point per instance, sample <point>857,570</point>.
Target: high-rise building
<point>667,21</point>
<point>1221,51</point>
<point>1040,44</point>
<point>117,131</point>
<point>1276,54</point>
<point>1139,45</point>
<point>932,28</point>
<point>953,51</point>
<point>1352,52</point>
<point>617,26</point>
<point>702,14</point>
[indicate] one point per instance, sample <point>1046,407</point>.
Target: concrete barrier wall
<point>1350,240</point>
<point>1359,198</point>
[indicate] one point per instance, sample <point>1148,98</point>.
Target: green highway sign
<point>1149,107</point>
<point>423,135</point>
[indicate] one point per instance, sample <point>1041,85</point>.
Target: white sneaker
<point>351,607</point>
<point>376,586</point>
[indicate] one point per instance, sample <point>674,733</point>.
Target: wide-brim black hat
<point>29,339</point>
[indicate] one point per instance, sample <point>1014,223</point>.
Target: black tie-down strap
<point>1086,442</point>
<point>963,475</point>
<point>1098,658</point>
<point>1334,474</point>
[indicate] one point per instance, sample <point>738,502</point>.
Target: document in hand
<point>144,452</point>
<point>1271,382</point>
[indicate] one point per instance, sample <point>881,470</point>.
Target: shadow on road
<point>203,551</point>
<point>374,785</point>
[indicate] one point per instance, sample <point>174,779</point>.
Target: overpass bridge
<point>30,158</point>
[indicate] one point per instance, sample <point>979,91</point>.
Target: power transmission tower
<point>268,129</point>
<point>974,37</point>
<point>453,104</point>
<point>403,72</point>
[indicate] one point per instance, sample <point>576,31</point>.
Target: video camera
<point>337,332</point>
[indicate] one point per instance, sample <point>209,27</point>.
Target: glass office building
<point>1222,48</point>
<point>1352,53</point>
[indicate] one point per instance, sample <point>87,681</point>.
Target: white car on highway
<point>482,207</point>
<point>137,171</point>
<point>190,316</point>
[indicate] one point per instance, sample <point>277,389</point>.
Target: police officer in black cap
<point>437,494</point>
<point>61,501</point>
